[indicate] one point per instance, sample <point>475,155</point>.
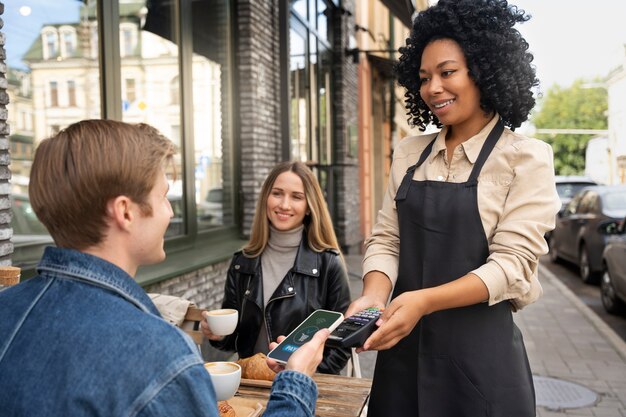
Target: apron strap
<point>408,177</point>
<point>488,146</point>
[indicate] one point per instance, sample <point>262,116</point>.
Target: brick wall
<point>258,103</point>
<point>205,287</point>
<point>348,218</point>
<point>6,247</point>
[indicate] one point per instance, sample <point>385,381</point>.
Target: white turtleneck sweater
<point>276,261</point>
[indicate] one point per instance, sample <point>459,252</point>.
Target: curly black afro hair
<point>496,53</point>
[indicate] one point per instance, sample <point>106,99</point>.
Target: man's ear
<point>119,211</point>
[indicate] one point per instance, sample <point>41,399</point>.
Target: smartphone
<point>317,320</point>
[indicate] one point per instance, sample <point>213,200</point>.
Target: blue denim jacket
<point>83,339</point>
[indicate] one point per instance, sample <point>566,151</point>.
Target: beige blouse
<point>517,202</point>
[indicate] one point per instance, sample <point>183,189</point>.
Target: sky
<point>570,38</point>
<point>573,39</point>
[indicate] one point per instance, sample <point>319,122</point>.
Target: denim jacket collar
<point>72,264</point>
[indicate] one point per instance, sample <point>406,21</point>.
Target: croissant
<point>255,367</point>
<point>225,409</point>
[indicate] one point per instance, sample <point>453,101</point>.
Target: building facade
<point>237,85</point>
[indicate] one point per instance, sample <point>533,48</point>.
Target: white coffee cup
<point>226,377</point>
<point>222,322</point>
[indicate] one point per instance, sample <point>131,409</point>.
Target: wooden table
<point>338,396</point>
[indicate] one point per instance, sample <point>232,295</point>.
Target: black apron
<point>467,361</point>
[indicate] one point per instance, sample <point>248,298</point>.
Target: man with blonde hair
<point>82,338</point>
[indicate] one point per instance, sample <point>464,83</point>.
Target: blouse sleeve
<point>383,245</point>
<point>510,272</point>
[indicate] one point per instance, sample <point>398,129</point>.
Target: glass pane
<point>213,182</point>
<point>325,117</point>
<point>323,13</point>
<point>299,6</point>
<point>150,81</point>
<point>53,81</point>
<point>313,65</point>
<point>298,101</point>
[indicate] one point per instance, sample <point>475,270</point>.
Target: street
<point>589,294</point>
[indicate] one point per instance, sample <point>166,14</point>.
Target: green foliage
<point>583,105</point>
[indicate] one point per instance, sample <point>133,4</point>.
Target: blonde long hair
<point>318,224</point>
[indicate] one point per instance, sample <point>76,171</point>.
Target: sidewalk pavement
<point>578,362</point>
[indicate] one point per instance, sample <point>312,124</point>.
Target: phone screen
<point>317,320</point>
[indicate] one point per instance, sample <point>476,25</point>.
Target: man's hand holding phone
<point>306,358</point>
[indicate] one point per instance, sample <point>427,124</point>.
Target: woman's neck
<point>461,132</point>
<point>285,239</point>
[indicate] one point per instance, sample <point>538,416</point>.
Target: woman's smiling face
<point>286,203</point>
<point>445,84</point>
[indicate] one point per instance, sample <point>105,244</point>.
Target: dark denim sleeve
<point>293,395</point>
<point>190,393</point>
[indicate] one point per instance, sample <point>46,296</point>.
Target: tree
<point>583,105</point>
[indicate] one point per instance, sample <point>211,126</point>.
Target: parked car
<point>568,185</point>
<point>211,210</point>
<point>24,222</point>
<point>577,236</point>
<point>613,282</point>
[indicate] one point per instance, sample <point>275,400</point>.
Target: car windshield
<point>615,200</point>
<point>568,190</point>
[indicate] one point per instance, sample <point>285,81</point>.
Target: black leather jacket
<point>317,280</point>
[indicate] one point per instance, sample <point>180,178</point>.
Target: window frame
<point>195,248</point>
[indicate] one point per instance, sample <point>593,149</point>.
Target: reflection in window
<point>322,20</point>
<point>54,94</point>
<point>71,93</point>
<point>310,82</point>
<point>68,43</point>
<point>147,79</point>
<point>298,92</point>
<point>211,66</point>
<point>51,44</point>
<point>65,91</point>
<point>175,91</point>
<point>298,6</point>
<point>127,46</point>
<point>324,105</point>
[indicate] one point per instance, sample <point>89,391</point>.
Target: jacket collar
<point>79,266</point>
<point>307,261</point>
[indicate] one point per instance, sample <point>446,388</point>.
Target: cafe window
<point>310,82</point>
<point>310,89</point>
<point>145,77</point>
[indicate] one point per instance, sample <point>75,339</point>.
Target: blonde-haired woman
<point>290,267</point>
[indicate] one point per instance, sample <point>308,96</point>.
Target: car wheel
<point>610,301</point>
<point>586,274</point>
<point>553,251</point>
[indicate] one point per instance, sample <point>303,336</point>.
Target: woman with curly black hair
<point>462,224</point>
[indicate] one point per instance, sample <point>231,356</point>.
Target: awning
<point>402,9</point>
<point>208,31</point>
<point>383,65</point>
